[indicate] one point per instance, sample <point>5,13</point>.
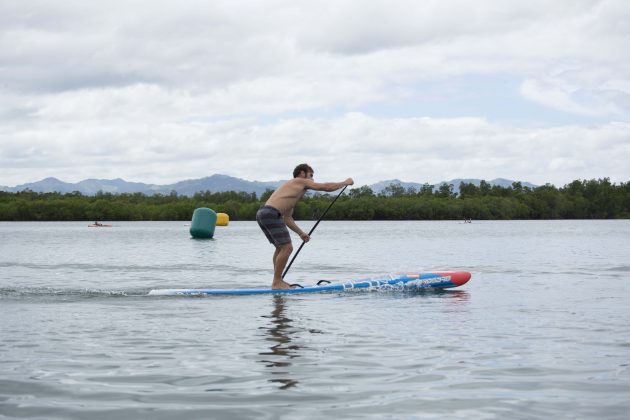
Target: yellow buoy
<point>222,219</point>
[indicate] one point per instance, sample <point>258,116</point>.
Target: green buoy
<point>204,220</point>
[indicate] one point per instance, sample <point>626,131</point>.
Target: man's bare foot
<point>280,285</point>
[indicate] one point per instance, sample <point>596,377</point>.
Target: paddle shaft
<point>311,231</point>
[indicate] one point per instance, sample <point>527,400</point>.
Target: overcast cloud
<point>161,91</point>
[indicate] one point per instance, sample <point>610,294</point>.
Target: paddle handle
<point>311,231</point>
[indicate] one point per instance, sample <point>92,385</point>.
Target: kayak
<point>392,281</point>
<point>101,225</point>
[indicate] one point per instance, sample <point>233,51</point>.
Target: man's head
<point>302,168</point>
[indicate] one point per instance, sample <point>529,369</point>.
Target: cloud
<point>157,93</point>
<point>598,97</point>
<point>355,144</point>
<point>209,45</point>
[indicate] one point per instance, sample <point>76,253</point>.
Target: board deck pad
<point>393,281</point>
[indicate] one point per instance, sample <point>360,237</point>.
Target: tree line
<point>581,199</point>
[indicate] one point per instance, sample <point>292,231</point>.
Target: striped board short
<point>271,222</point>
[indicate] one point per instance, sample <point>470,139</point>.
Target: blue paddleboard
<point>401,281</point>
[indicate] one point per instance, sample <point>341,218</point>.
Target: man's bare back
<point>285,197</point>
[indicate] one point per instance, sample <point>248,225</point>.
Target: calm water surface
<point>541,331</point>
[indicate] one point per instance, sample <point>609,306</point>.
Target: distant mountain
<point>218,183</point>
<point>214,183</point>
<point>45,185</point>
<point>86,187</point>
<point>114,186</point>
<point>381,185</point>
<point>502,182</point>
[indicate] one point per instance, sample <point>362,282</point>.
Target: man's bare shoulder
<point>299,183</point>
<point>292,187</point>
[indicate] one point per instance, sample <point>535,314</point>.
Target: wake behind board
<point>393,281</point>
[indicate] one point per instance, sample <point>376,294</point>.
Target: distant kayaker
<point>277,214</point>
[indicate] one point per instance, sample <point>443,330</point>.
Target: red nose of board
<point>457,277</point>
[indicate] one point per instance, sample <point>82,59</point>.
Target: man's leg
<point>280,258</point>
<point>275,255</point>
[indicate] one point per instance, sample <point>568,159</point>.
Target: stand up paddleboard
<point>393,281</point>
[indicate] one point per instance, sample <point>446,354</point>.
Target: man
<point>277,214</point>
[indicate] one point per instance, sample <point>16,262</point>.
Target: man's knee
<point>286,248</point>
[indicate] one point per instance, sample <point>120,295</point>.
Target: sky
<point>160,91</point>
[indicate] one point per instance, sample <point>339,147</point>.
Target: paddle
<point>311,231</point>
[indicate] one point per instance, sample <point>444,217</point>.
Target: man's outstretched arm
<point>327,186</point>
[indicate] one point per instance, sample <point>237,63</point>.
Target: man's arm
<point>290,222</point>
<point>326,186</point>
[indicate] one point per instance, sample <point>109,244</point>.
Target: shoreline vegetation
<point>581,199</point>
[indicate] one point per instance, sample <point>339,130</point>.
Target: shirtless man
<point>277,214</point>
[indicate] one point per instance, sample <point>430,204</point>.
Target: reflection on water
<point>279,356</point>
<point>457,297</point>
<point>281,334</point>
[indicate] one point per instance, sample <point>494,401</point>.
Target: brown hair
<point>302,167</point>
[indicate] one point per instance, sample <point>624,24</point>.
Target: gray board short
<point>272,223</point>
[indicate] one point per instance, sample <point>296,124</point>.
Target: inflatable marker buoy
<point>203,223</point>
<point>222,219</point>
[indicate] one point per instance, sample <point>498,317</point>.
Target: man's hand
<point>304,236</point>
<point>349,181</point>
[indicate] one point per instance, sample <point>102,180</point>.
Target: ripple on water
<point>539,332</point>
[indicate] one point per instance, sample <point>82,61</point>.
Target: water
<point>541,331</point>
